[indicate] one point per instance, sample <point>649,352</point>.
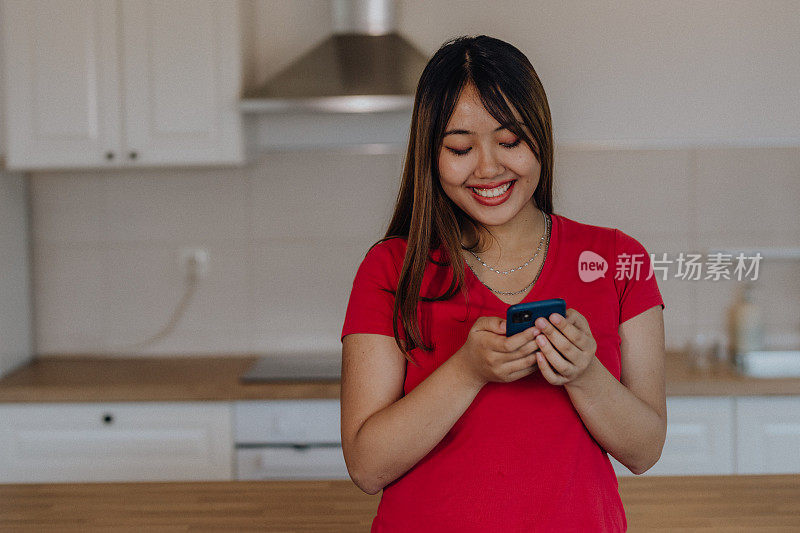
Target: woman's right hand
<point>488,355</point>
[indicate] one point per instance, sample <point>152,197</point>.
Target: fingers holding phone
<point>490,355</point>
<point>522,316</point>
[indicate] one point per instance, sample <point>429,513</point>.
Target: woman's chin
<point>494,219</point>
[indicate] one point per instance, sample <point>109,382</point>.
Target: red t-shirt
<point>519,458</point>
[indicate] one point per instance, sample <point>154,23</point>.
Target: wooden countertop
<point>202,378</point>
<point>652,503</point>
<point>683,379</point>
<point>142,379</point>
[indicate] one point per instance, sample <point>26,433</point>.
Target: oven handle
<point>294,445</point>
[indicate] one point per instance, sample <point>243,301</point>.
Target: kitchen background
<point>129,137</point>
<point>676,122</point>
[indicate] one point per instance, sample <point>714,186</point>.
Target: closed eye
<point>505,145</point>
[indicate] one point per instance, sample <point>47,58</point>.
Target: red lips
<point>497,200</point>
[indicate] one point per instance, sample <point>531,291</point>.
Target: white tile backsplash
<point>16,309</point>
<point>142,286</point>
<point>634,190</point>
<point>323,196</point>
<point>68,208</point>
<point>303,290</point>
<point>749,196</point>
<point>69,292</point>
<point>680,310</point>
<point>176,206</point>
<point>286,233</point>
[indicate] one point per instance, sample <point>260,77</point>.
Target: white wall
<point>15,288</point>
<point>285,235</point>
<point>287,231</point>
<point>16,314</point>
<point>627,73</point>
<point>2,99</point>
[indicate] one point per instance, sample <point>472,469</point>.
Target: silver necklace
<point>506,272</point>
<point>544,235</point>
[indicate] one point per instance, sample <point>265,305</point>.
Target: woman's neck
<point>514,240</point>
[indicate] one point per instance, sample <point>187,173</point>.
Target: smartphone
<point>520,317</point>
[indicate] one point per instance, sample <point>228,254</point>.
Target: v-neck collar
<point>549,259</point>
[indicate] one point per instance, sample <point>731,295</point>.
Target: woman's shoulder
<point>386,251</point>
<point>584,234</point>
<point>575,230</point>
<point>391,251</point>
<point>389,245</point>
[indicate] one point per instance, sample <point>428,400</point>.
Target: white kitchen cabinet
<point>291,462</point>
<point>100,83</point>
<point>61,100</point>
<point>289,439</point>
<point>700,438</point>
<point>89,442</point>
<point>768,435</point>
<point>181,81</point>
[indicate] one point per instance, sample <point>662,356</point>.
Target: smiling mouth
<point>492,193</point>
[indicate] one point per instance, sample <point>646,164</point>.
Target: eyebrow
<point>467,132</point>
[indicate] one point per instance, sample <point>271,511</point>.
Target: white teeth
<point>491,193</point>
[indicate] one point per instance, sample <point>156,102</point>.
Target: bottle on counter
<point>745,323</point>
<point>700,352</point>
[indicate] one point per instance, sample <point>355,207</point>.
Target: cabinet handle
<point>109,155</point>
<point>133,155</point>
<point>108,419</point>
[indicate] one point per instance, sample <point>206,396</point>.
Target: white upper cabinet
<point>181,80</point>
<point>98,83</point>
<point>62,89</point>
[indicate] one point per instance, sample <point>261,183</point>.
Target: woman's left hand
<point>567,347</point>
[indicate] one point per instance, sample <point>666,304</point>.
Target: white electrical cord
<point>191,286</point>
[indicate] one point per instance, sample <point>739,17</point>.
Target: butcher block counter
<point>698,503</point>
<point>142,379</point>
<point>91,379</point>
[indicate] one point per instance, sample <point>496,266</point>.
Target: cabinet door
<point>291,463</point>
<point>115,442</point>
<point>181,80</point>
<point>700,439</point>
<point>289,439</point>
<point>309,421</point>
<point>61,101</point>
<point>768,435</point>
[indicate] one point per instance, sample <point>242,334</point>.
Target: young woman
<point>463,428</point>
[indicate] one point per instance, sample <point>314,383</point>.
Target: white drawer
<point>287,421</point>
<point>286,462</point>
<point>700,438</point>
<point>768,435</point>
<point>150,441</point>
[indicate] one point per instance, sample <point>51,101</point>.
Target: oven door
<point>290,461</point>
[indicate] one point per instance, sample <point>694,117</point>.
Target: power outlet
<point>193,262</point>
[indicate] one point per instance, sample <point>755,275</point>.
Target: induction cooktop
<point>301,366</point>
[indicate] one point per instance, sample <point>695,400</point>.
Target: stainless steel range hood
<point>364,66</point>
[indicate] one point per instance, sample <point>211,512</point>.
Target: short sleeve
<point>371,303</point>
<point>634,279</point>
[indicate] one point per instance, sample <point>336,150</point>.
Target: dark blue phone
<point>520,317</point>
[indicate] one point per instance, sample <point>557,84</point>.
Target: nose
<point>488,165</point>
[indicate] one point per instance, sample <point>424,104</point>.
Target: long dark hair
<point>423,213</point>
